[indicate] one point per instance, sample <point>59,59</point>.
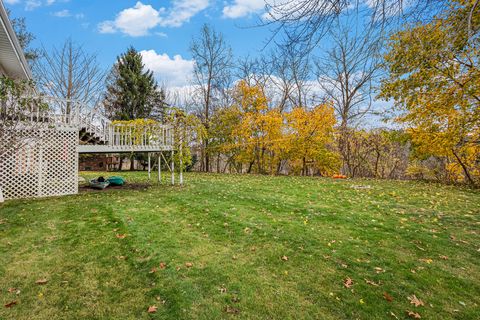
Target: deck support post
<point>159,168</point>
<point>149,167</point>
<point>180,168</point>
<point>172,168</point>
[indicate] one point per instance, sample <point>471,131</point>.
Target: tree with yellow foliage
<point>310,132</point>
<point>258,128</point>
<point>264,140</point>
<point>434,79</point>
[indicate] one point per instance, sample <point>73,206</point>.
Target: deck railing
<point>62,112</point>
<point>130,135</point>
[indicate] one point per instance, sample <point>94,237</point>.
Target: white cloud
<point>62,14</point>
<point>182,11</point>
<point>107,27</point>
<point>174,72</point>
<point>11,1</point>
<point>242,8</point>
<point>135,22</point>
<point>140,19</point>
<point>32,5</point>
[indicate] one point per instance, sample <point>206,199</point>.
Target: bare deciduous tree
<point>347,74</point>
<point>69,72</point>
<point>212,76</point>
<point>308,21</point>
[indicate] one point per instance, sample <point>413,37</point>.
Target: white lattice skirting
<point>46,164</point>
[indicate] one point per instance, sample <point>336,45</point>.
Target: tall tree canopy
<point>434,79</point>
<point>132,92</point>
<point>24,37</point>
<point>211,77</point>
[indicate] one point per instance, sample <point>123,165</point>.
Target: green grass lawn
<point>245,247</point>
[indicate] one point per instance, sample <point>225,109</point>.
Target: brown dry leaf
<point>370,282</point>
<point>10,304</point>
<point>231,310</point>
<point>41,281</point>
<point>443,257</point>
<point>188,264</point>
<point>285,258</point>
<point>414,300</point>
<point>163,265</point>
<point>153,270</point>
<point>12,290</point>
<point>152,309</point>
<point>387,297</point>
<point>413,315</point>
<point>121,236</point>
<point>347,282</point>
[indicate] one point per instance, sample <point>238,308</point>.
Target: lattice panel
<point>45,165</point>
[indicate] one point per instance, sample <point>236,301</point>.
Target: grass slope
<point>408,238</point>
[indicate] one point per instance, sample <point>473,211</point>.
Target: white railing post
<point>160,167</point>
<point>149,168</point>
<point>172,167</point>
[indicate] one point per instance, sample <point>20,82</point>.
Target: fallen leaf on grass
<point>285,258</point>
<point>10,304</point>
<point>188,264</point>
<point>231,310</point>
<point>387,297</point>
<point>12,290</point>
<point>414,300</point>
<point>378,270</point>
<point>41,281</point>
<point>163,265</point>
<point>427,261</point>
<point>413,315</point>
<point>153,270</point>
<point>443,257</point>
<point>152,309</point>
<point>121,236</point>
<point>347,282</point>
<point>372,283</point>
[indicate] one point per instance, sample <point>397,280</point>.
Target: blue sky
<point>162,29</point>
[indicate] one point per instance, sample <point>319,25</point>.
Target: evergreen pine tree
<point>132,92</point>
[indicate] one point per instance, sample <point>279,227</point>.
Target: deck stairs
<point>97,134</point>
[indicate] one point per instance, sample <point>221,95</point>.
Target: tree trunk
<point>250,166</point>
<point>120,164</point>
<point>132,163</point>
<point>207,157</point>
<point>464,167</point>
